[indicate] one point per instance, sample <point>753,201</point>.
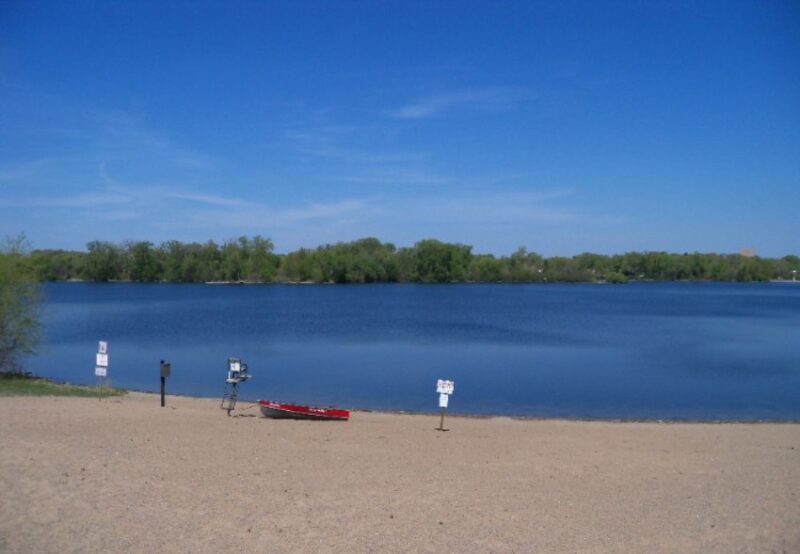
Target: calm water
<point>654,350</point>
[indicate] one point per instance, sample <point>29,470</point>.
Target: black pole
<point>163,381</point>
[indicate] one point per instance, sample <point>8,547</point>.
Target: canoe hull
<point>282,410</point>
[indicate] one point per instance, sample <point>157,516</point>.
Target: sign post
<point>445,389</point>
<point>166,369</point>
<point>101,365</point>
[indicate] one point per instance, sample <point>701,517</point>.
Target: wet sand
<point>124,475</point>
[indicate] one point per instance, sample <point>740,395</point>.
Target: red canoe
<point>281,410</point>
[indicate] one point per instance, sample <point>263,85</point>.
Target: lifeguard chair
<point>237,373</point>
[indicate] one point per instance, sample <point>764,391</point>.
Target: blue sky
<point>563,127</point>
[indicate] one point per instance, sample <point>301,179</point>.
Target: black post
<point>166,368</point>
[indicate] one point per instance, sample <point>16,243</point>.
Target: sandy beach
<point>124,475</point>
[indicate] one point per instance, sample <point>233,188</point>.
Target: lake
<point>639,351</point>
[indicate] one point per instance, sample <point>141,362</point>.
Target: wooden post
<point>163,382</point>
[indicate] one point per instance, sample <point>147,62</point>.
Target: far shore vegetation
<point>369,260</point>
<point>22,384</point>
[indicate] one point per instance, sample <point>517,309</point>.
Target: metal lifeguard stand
<point>237,373</point>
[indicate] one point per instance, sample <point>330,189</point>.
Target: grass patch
<point>14,384</point>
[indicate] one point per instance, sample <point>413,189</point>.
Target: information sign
<point>444,387</point>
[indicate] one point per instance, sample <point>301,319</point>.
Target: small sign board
<point>102,360</point>
<point>444,387</point>
<point>101,371</point>
<point>443,399</point>
<point>102,347</point>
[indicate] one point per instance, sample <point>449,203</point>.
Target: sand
<point>124,475</point>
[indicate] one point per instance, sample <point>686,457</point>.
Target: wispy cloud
<point>351,159</point>
<point>493,208</point>
<point>150,193</point>
<point>38,171</point>
<point>264,218</point>
<point>398,177</point>
<point>18,172</point>
<point>323,142</point>
<point>224,211</point>
<point>485,99</point>
<point>206,198</point>
<point>117,133</point>
<point>318,211</point>
<point>89,200</point>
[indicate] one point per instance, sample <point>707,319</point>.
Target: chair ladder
<point>229,396</point>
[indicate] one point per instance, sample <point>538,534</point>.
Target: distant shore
<point>123,474</point>
<point>598,282</point>
<point>369,260</point>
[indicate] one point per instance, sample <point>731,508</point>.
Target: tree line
<point>371,261</point>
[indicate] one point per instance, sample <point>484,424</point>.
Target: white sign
<point>444,387</point>
<point>101,371</point>
<point>443,398</point>
<point>102,347</point>
<point>102,360</point>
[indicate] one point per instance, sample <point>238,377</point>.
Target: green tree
<point>144,263</point>
<point>301,266</point>
<point>262,264</point>
<point>103,262</point>
<point>523,266</point>
<point>234,259</point>
<point>19,306</point>
<point>484,268</point>
<point>441,262</point>
<point>173,253</point>
<point>57,265</point>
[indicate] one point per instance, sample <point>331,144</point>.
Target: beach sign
<point>445,388</point>
<point>101,359</point>
<point>101,365</point>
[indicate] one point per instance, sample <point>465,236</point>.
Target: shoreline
<point>327,283</point>
<point>467,415</point>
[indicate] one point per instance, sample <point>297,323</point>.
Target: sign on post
<point>101,364</point>
<point>445,389</point>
